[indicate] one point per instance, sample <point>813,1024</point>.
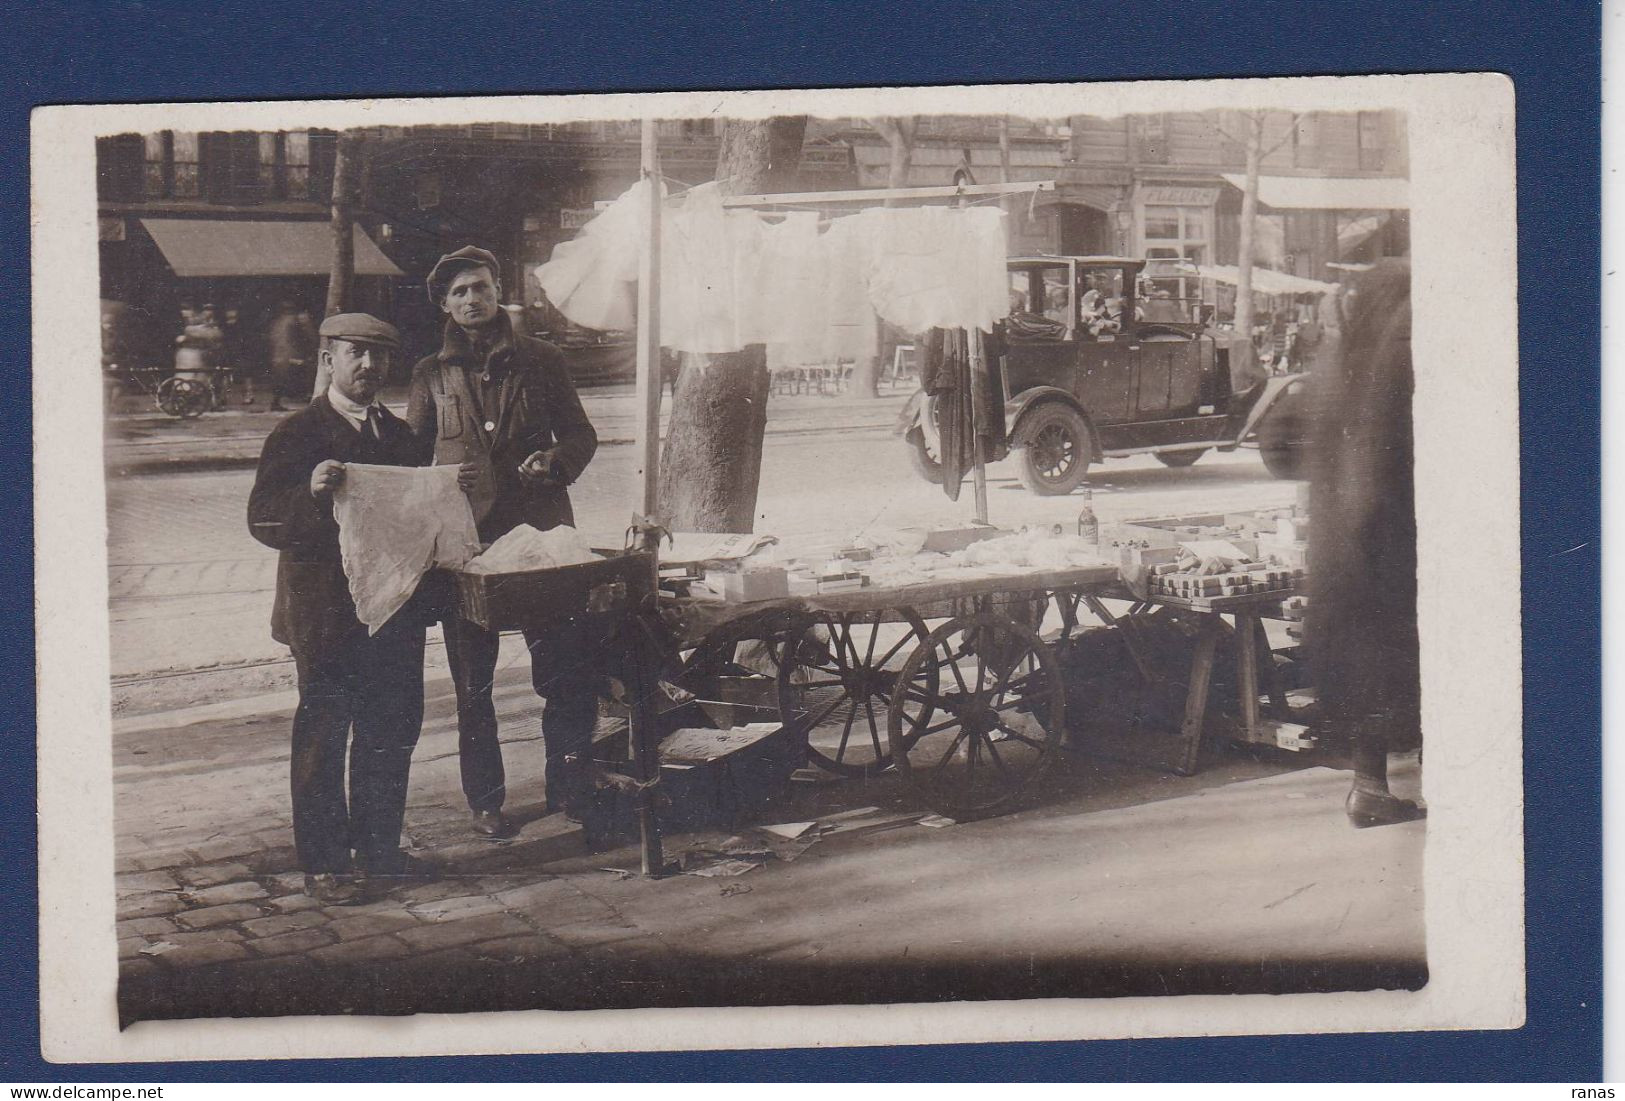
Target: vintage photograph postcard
<point>777,569</point>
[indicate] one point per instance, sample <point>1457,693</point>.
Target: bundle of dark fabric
<point>945,374</point>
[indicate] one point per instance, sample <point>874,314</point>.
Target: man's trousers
<point>564,670</point>
<point>360,698</point>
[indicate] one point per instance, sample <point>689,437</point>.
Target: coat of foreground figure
<point>1362,609</point>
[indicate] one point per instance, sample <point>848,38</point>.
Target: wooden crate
<point>537,598</point>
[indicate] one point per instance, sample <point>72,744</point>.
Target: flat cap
<point>469,256</point>
<point>360,328</point>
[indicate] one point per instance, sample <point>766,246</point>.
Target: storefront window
<point>1177,232</point>
<point>1162,223</point>
<point>159,159</point>
<point>296,151</point>
<point>183,164</point>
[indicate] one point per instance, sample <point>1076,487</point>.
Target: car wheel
<point>1284,461</point>
<point>1180,458</point>
<point>920,459</point>
<point>1055,450</point>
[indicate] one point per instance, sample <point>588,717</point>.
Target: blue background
<point>133,52</point>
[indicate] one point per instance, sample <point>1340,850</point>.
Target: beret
<point>469,256</point>
<point>360,328</point>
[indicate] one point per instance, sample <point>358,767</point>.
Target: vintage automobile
<point>1101,359</point>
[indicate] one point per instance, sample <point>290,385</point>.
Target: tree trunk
<point>346,174</point>
<point>712,463</point>
<point>341,276</point>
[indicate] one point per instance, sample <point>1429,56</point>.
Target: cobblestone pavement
<point>1115,864</point>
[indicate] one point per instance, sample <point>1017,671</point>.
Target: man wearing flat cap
<point>360,696</point>
<point>501,405</point>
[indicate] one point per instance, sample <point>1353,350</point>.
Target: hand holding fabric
<point>328,476</point>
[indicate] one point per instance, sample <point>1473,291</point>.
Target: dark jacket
<point>313,608</point>
<point>537,410</point>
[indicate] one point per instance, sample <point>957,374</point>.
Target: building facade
<point>1332,186</point>
<point>240,219</point>
<point>183,217</point>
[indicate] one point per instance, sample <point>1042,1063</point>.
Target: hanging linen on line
<point>731,278</point>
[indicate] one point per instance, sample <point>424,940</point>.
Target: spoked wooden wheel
<point>835,685</point>
<point>976,715</point>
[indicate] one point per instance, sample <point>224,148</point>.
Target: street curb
<point>184,464</point>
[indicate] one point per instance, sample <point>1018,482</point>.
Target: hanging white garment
<point>395,523</point>
<point>593,279</point>
<point>936,267</point>
<point>829,318</point>
<point>730,278</point>
<point>703,254</point>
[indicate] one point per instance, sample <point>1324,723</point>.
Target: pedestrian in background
<point>291,341</point>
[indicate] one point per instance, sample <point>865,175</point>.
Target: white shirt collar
<point>354,412</point>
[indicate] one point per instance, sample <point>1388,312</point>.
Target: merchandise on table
<point>1219,555</point>
<point>525,548</point>
<point>892,560</point>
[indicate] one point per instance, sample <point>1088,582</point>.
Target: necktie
<point>375,422</point>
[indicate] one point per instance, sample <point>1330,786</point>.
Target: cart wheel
<point>836,682</point>
<point>997,689</point>
<point>184,397</point>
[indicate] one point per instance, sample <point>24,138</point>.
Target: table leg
<point>1196,695</point>
<point>643,739</point>
<point>1247,672</point>
<point>1279,709</point>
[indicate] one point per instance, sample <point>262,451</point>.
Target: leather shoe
<point>1379,808</point>
<point>492,823</point>
<point>335,890</point>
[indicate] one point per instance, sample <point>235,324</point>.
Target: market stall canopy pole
<point>1266,280</point>
<point>977,400</point>
<point>648,363</point>
<point>644,739</point>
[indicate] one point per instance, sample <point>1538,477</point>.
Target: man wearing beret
<point>501,405</point>
<point>360,696</point>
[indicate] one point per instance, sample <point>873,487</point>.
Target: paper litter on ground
<point>790,831</point>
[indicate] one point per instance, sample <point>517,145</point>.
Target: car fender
<point>1025,402</point>
<point>1275,391</point>
<point>909,418</point>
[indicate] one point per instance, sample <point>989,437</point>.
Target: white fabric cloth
<point>935,267</point>
<point>395,523</point>
<point>593,279</point>
<point>527,548</point>
<point>352,411</point>
<point>730,278</point>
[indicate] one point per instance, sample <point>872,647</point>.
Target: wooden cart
<point>970,713</point>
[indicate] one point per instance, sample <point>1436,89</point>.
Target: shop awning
<point>1267,280</point>
<point>1328,192</point>
<point>213,248</point>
